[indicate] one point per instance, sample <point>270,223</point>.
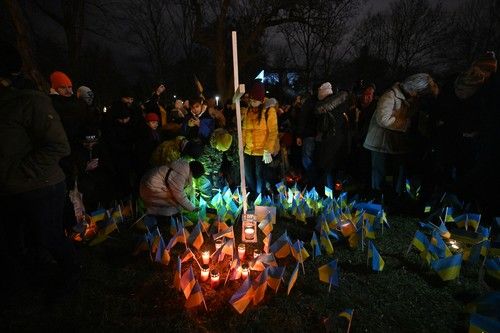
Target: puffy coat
<point>32,141</point>
<point>387,132</point>
<point>163,200</point>
<point>260,134</point>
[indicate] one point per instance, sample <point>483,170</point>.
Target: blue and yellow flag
<point>274,276</point>
<point>369,230</point>
<point>377,261</point>
<point>493,267</point>
<point>187,282</point>
<point>196,297</point>
<point>243,296</point>
<point>448,214</point>
<point>448,268</point>
<point>438,242</point>
<point>420,241</point>
<point>281,247</point>
<point>196,237</point>
<point>328,192</point>
<point>293,279</point>
<point>461,221</point>
<point>329,273</point>
<point>481,324</point>
<point>316,250</point>
<point>473,220</point>
<point>259,287</point>
<point>347,314</point>
<point>325,242</point>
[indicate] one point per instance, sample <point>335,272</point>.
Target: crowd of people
<point>441,137</point>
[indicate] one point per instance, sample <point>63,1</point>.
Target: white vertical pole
<point>237,90</point>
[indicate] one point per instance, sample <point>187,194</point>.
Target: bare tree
<point>151,25</point>
<point>30,67</point>
<point>475,29</point>
<point>411,35</point>
<point>73,16</point>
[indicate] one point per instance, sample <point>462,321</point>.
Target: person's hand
<point>92,164</point>
<point>299,142</point>
<point>267,157</point>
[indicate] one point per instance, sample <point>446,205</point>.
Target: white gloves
<point>267,157</point>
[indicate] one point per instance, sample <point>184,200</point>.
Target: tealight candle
<point>249,232</point>
<point>218,243</point>
<point>205,269</point>
<point>256,253</point>
<point>244,271</point>
<point>205,256</point>
<point>241,251</point>
<point>455,246</point>
<point>214,278</point>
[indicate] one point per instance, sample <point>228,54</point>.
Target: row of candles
<point>214,273</point>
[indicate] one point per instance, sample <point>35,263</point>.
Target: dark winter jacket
<point>332,130</point>
<point>306,119</point>
<point>73,116</point>
<point>32,141</point>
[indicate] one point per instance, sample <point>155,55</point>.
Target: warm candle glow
<point>241,251</point>
<point>214,278</point>
<point>244,271</point>
<point>256,253</point>
<point>455,246</point>
<point>205,269</point>
<point>249,232</point>
<point>205,256</point>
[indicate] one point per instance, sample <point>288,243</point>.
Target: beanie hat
<point>257,93</point>
<point>221,139</point>
<point>324,90</point>
<point>486,62</point>
<point>59,79</point>
<point>270,102</point>
<point>152,117</point>
<point>11,62</point>
<point>86,94</point>
<point>192,149</point>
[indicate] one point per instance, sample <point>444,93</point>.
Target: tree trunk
<point>30,67</point>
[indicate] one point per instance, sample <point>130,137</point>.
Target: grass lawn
<point>124,292</point>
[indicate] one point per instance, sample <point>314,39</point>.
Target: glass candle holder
<point>205,256</point>
<point>256,253</point>
<point>244,271</point>
<point>241,251</point>
<point>205,270</point>
<point>249,232</point>
<point>218,243</point>
<point>214,278</point>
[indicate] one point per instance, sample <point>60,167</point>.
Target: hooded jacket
<point>161,199</point>
<point>260,134</point>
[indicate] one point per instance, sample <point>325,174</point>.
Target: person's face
<point>367,96</point>
<point>65,91</point>
<point>196,108</point>
<point>186,104</point>
<point>123,120</point>
<point>178,104</point>
<point>153,124</point>
<point>128,100</point>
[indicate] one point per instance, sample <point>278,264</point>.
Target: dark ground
<point>119,291</point>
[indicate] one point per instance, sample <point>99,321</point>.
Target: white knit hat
<point>324,90</point>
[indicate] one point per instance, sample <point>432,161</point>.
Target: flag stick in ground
<point>409,249</point>
<point>137,221</point>
<point>185,238</point>
<point>194,257</point>
<point>301,259</point>
<point>350,321</point>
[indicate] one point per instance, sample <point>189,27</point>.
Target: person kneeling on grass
<point>163,188</point>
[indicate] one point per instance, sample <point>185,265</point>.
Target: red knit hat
<point>257,92</point>
<point>152,117</point>
<point>59,79</point>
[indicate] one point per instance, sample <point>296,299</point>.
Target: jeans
<point>379,171</point>
<point>254,173</point>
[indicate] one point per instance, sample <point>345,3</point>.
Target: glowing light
<point>205,256</point>
<point>205,269</point>
<point>256,253</point>
<point>244,271</point>
<point>214,278</point>
<point>241,251</point>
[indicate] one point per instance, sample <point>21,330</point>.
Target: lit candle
<point>218,243</point>
<point>249,232</point>
<point>205,256</point>
<point>241,251</point>
<point>256,253</point>
<point>452,241</point>
<point>244,271</point>
<point>205,269</point>
<point>455,246</point>
<point>214,278</point>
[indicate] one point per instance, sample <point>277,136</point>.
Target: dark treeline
<point>107,44</point>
